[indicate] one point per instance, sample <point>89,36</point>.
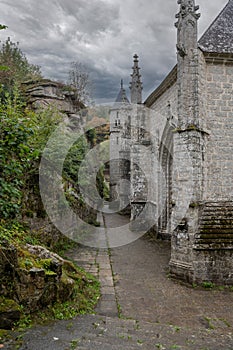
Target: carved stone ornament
<point>187,7</point>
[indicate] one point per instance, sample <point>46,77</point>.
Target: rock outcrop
<point>34,278</point>
<point>44,93</point>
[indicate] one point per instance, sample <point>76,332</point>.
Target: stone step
<point>225,203</point>
<point>225,232</point>
<point>215,214</point>
<point>215,224</point>
<point>216,221</point>
<point>221,207</point>
<point>217,217</point>
<point>217,206</point>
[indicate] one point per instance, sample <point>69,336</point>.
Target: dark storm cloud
<point>93,17</point>
<point>102,34</point>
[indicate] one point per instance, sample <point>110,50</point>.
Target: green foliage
<point>2,26</point>
<point>17,68</point>
<point>74,159</point>
<point>91,137</point>
<point>25,322</point>
<point>14,155</point>
<point>74,344</point>
<point>23,136</point>
<point>209,322</point>
<point>102,185</point>
<point>83,300</point>
<point>208,285</point>
<point>42,124</point>
<point>13,232</point>
<point>3,68</point>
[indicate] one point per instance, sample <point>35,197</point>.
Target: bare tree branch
<point>79,79</point>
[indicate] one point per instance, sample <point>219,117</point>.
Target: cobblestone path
<point>140,307</point>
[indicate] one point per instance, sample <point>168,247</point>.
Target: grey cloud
<point>102,34</point>
<point>92,16</point>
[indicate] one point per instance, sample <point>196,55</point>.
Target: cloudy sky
<point>102,34</point>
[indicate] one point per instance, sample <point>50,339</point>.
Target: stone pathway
<point>98,263</point>
<point>140,307</point>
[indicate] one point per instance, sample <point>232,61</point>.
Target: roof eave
<point>165,85</point>
<point>217,57</point>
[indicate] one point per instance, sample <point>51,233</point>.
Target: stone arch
<point>165,187</point>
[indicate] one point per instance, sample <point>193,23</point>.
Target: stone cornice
<point>221,58</point>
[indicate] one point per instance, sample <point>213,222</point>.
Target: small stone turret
<point>136,84</point>
<point>122,97</point>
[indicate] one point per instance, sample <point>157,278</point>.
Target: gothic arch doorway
<point>165,182</point>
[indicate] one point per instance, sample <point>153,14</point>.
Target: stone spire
<point>187,63</point>
<point>121,97</point>
<point>136,84</point>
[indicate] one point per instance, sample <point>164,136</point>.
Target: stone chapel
<point>173,154</point>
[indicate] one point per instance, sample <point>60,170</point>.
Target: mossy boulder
<point>9,313</point>
<point>39,278</point>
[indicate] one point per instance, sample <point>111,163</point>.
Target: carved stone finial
<point>187,7</point>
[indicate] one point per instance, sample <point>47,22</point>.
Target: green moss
<point>82,301</point>
<point>8,304</point>
<point>80,288</point>
<point>208,285</point>
<point>93,222</point>
<point>27,261</point>
<point>50,273</point>
<point>3,334</point>
<point>194,205</point>
<point>190,127</point>
<point>45,263</point>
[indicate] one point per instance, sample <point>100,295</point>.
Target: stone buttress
<point>202,243</point>
<point>187,186</point>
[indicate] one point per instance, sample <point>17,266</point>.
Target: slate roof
<point>219,36</point>
<point>122,98</point>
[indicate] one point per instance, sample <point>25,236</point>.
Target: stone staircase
<point>216,225</point>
